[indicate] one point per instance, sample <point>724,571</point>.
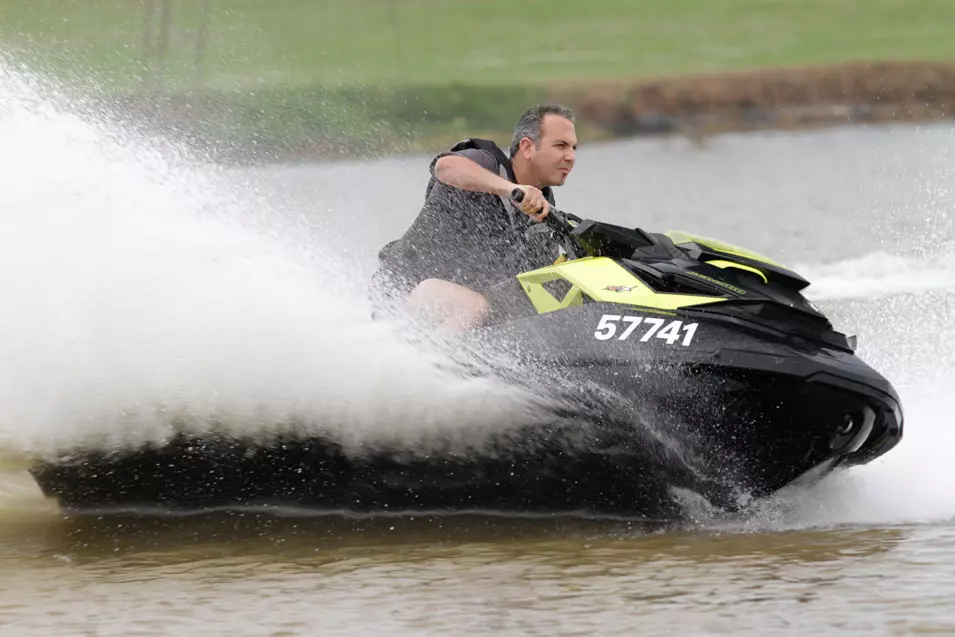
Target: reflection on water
<point>561,540</point>
<point>240,572</point>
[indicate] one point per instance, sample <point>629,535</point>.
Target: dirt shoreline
<point>768,99</point>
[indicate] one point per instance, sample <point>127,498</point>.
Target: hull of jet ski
<point>649,405</point>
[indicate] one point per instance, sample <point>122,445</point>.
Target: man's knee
<point>455,306</point>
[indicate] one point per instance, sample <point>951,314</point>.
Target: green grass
<point>279,72</point>
<point>477,42</point>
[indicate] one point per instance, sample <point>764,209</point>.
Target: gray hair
<point>529,125</point>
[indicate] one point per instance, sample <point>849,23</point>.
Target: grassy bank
<point>291,75</point>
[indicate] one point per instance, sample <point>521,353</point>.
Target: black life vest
<point>489,147</point>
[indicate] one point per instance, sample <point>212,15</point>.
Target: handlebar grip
<point>555,220</point>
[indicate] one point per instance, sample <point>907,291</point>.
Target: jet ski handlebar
<point>556,220</point>
<point>579,237</point>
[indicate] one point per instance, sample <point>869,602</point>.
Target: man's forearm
<point>462,173</point>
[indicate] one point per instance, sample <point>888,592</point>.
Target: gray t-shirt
<point>469,238</point>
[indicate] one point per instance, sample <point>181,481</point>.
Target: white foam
<point>134,293</point>
<point>878,274</point>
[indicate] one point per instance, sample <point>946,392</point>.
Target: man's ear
<point>524,147</point>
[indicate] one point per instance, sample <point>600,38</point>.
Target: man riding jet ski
<point>457,261</point>
<point>668,363</point>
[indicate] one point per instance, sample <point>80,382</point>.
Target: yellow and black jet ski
<point>682,364</point>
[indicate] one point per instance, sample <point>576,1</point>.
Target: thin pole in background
<point>202,40</point>
<point>165,20</point>
<point>149,7</point>
<point>399,48</point>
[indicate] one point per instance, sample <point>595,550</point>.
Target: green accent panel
<point>603,280</point>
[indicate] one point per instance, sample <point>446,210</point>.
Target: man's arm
<point>463,173</point>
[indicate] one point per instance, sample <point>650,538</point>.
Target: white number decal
<point>690,331</point>
<point>655,324</point>
<point>671,332</point>
<point>634,322</point>
<point>607,329</point>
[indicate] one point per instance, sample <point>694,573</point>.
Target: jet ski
<point>682,368</point>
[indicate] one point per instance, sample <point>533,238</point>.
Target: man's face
<point>553,159</point>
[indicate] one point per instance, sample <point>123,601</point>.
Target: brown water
<point>248,575</point>
<point>866,213</point>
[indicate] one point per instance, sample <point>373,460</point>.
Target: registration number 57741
<point>647,327</point>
